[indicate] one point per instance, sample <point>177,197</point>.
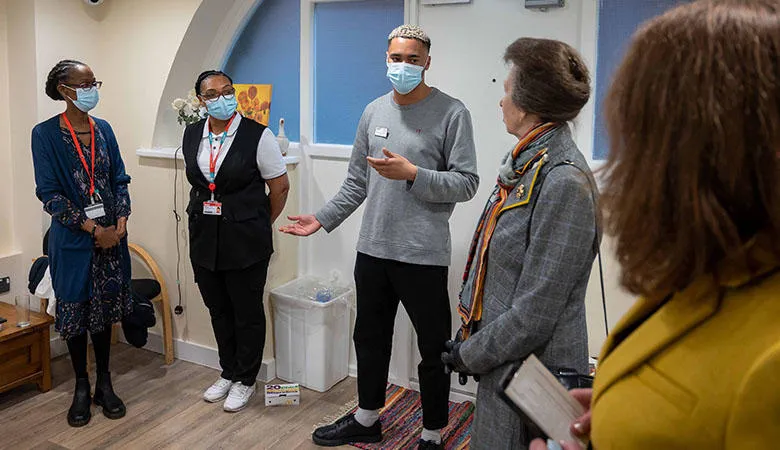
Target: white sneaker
<point>218,390</point>
<point>238,397</point>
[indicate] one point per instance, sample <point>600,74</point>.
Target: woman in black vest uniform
<point>229,161</point>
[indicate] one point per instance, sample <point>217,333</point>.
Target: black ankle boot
<point>79,413</point>
<point>113,408</point>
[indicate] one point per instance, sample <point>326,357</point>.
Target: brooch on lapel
<point>523,195</point>
<point>540,161</point>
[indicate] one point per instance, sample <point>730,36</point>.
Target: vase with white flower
<point>188,109</point>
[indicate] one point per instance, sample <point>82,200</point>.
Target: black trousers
<point>235,302</point>
<point>381,284</point>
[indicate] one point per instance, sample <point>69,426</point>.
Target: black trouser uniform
<point>235,302</point>
<point>381,284</point>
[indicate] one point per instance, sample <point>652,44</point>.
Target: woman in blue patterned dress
<point>81,180</point>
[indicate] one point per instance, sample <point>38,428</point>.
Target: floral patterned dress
<point>109,298</point>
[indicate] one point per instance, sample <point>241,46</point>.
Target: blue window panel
<point>268,52</point>
<point>350,41</point>
<point>618,20</point>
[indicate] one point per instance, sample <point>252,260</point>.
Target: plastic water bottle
<point>324,295</point>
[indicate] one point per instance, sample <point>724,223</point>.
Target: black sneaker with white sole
<point>345,431</point>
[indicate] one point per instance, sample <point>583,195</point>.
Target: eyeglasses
<point>93,84</point>
<point>212,95</point>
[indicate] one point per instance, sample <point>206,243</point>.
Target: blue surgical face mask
<point>86,98</point>
<point>404,76</point>
<point>222,107</point>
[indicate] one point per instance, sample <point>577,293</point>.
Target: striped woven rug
<point>402,422</point>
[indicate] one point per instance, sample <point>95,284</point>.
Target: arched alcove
<point>206,44</point>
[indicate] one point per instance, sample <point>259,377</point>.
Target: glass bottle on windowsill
<point>281,138</point>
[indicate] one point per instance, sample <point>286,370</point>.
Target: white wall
<point>21,94</point>
<point>464,64</point>
<point>6,171</point>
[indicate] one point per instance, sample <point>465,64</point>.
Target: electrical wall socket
<point>5,285</point>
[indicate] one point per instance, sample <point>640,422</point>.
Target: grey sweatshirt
<point>408,221</point>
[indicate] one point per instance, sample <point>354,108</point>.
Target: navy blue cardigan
<point>70,248</point>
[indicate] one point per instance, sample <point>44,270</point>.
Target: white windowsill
<point>169,152</point>
<point>328,151</point>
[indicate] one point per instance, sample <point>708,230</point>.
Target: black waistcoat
<point>241,236</point>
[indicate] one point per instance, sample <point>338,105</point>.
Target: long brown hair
<point>694,120</point>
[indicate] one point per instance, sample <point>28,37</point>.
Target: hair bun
<point>575,69</point>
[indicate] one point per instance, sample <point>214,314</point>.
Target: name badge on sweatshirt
<point>381,132</point>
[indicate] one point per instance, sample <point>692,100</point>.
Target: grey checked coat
<point>534,295</point>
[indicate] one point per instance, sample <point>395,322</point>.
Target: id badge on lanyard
<point>213,207</point>
<point>95,209</point>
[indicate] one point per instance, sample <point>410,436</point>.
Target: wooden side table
<point>24,352</point>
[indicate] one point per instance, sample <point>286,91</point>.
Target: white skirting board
<point>185,351</point>
<point>206,356</point>
<point>456,395</point>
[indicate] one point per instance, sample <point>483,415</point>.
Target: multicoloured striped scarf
<point>529,151</point>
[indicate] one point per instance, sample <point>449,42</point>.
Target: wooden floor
<point>164,410</point>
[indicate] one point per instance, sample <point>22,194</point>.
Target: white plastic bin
<point>311,338</point>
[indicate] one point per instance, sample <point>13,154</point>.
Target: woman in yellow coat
<point>692,197</point>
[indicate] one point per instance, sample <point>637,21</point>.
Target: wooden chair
<point>165,306</point>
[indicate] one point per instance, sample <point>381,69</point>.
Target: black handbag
<point>570,379</point>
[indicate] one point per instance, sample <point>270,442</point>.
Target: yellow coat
<point>701,372</point>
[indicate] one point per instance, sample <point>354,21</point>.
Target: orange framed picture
<point>254,101</point>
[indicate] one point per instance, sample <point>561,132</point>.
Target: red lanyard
<point>76,142</point>
<point>212,158</point>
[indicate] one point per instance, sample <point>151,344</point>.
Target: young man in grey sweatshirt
<point>412,160</point>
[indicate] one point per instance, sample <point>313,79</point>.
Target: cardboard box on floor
<point>282,394</point>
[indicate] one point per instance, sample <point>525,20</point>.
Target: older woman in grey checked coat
<point>529,264</point>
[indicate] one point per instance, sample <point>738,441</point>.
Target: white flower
<point>203,112</point>
<point>187,109</point>
<point>178,104</point>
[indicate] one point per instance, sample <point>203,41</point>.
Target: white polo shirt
<point>270,161</point>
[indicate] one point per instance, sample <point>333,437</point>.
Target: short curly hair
<point>410,32</point>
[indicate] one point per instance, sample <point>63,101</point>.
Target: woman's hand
<point>121,227</point>
<point>106,237</point>
<point>303,226</point>
<point>579,428</point>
